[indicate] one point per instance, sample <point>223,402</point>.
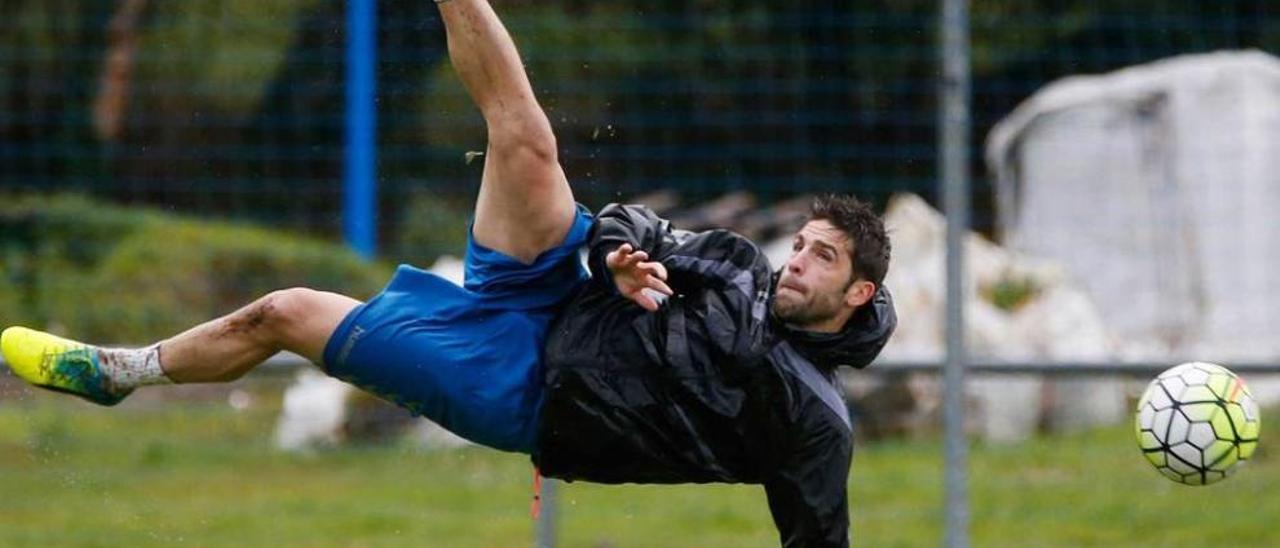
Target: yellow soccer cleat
<point>58,364</point>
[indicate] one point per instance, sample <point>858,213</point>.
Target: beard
<point>806,310</point>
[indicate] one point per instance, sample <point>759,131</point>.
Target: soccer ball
<point>1196,422</point>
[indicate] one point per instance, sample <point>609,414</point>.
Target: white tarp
<point>1156,187</point>
<point>1058,322</point>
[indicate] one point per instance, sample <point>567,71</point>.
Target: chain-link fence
<point>236,108</point>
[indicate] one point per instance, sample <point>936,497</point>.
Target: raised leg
<point>525,205</point>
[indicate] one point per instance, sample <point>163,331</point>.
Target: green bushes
<point>113,274</point>
<point>430,225</point>
<point>10,299</point>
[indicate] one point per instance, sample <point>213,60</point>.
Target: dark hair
<point>865,230</point>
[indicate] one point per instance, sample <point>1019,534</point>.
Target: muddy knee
<point>274,316</point>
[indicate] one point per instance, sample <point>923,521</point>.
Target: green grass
<point>200,473</point>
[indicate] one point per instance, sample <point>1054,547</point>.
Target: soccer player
<point>728,378</point>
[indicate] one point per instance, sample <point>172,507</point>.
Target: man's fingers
<point>620,257</point>
<point>654,276</point>
<point>661,272</point>
<point>635,258</point>
<point>634,273</point>
<point>645,301</point>
<point>660,286</point>
<point>625,256</point>
<point>654,269</point>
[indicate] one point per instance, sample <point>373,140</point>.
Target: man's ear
<point>859,293</point>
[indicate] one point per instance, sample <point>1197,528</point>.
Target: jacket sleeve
<point>808,496</point>
<point>618,224</point>
<point>715,258</point>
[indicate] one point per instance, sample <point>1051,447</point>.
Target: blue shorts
<point>468,358</point>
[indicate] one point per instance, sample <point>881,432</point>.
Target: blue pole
<point>360,170</point>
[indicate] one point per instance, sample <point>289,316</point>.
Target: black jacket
<point>711,387</point>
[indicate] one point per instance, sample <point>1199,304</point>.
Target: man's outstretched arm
<point>525,204</point>
<point>712,258</point>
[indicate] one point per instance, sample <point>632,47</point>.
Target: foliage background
<point>232,107</point>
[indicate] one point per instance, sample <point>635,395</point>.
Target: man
<point>729,380</point>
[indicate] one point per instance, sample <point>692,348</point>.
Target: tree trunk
<point>111,104</point>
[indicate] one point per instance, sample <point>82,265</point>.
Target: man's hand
<point>633,273</point>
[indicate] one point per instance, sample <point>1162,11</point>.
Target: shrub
<point>115,274</point>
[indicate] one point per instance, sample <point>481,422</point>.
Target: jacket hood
<point>861,340</point>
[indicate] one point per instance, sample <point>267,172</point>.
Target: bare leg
<point>298,320</point>
<point>525,204</point>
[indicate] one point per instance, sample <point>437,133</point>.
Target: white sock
<point>129,368</point>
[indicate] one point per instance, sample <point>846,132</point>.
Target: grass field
<point>200,473</point>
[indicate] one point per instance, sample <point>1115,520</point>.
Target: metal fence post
<point>545,536</point>
<point>954,163</point>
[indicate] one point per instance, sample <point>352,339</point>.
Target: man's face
<point>816,290</point>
